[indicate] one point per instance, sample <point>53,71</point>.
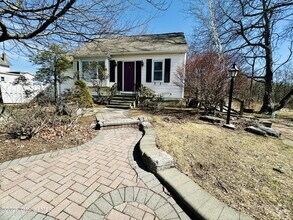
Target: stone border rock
<point>154,158</point>
<point>201,203</point>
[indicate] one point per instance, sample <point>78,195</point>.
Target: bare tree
<point>255,30</point>
<point>69,20</point>
<point>252,29</point>
<point>204,79</point>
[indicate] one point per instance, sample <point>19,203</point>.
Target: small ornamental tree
<point>205,79</point>
<point>53,62</point>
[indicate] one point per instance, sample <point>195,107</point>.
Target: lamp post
<point>232,73</point>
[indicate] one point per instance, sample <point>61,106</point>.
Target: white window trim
<point>89,60</point>
<point>153,70</point>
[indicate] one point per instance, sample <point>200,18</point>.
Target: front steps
<point>122,101</point>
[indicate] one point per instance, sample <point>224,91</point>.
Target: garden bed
<point>48,140</point>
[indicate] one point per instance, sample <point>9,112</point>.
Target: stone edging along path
<point>200,203</point>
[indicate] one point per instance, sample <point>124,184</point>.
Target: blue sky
<point>172,20</point>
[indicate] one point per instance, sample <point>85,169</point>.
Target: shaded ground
<point>252,174</point>
<point>48,140</point>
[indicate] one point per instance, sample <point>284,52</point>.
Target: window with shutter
<point>158,71</point>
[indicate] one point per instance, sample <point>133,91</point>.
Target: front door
<point>128,76</point>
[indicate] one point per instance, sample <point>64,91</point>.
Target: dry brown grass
<point>252,174</point>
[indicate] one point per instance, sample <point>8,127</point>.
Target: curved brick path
<point>98,180</point>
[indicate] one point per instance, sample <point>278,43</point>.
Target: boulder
<point>270,131</point>
<point>267,123</point>
<point>248,110</point>
<point>255,130</point>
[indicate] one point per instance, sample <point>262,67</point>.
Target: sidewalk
<point>98,180</point>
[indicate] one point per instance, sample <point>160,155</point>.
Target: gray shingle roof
<point>139,44</point>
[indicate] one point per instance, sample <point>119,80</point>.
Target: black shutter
<point>119,75</point>
<point>149,70</point>
<point>138,74</point>
<point>77,70</point>
<point>112,70</point>
<point>167,70</point>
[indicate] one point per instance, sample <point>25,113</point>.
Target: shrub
<point>144,91</point>
<point>27,120</point>
<point>81,95</point>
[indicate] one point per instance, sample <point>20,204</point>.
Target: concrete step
<point>124,101</point>
<point>121,104</point>
<point>131,95</point>
<point>121,101</point>
<point>118,106</point>
<point>123,98</point>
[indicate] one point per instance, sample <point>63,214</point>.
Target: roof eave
<point>150,52</point>
<point>132,53</point>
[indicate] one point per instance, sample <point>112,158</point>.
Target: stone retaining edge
<point>154,158</point>
<point>200,202</point>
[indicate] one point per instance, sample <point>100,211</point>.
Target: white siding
<point>4,69</point>
<point>168,90</point>
<point>69,83</point>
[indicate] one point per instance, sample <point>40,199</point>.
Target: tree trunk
<point>55,87</point>
<point>284,101</point>
<point>267,99</point>
<point>267,106</point>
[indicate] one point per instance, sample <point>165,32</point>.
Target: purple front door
<point>128,76</point>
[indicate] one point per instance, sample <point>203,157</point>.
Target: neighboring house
<point>12,94</point>
<point>4,64</point>
<point>131,61</point>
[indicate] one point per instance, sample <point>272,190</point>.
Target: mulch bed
<point>48,140</point>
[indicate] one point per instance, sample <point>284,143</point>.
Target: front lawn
<point>250,173</point>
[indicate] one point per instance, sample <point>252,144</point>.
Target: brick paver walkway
<point>98,180</point>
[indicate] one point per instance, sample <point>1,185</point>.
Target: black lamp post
<point>232,73</point>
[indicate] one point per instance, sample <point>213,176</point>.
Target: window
<point>158,71</point>
<point>91,69</point>
<point>2,78</point>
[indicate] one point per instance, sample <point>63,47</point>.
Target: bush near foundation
<point>80,94</point>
